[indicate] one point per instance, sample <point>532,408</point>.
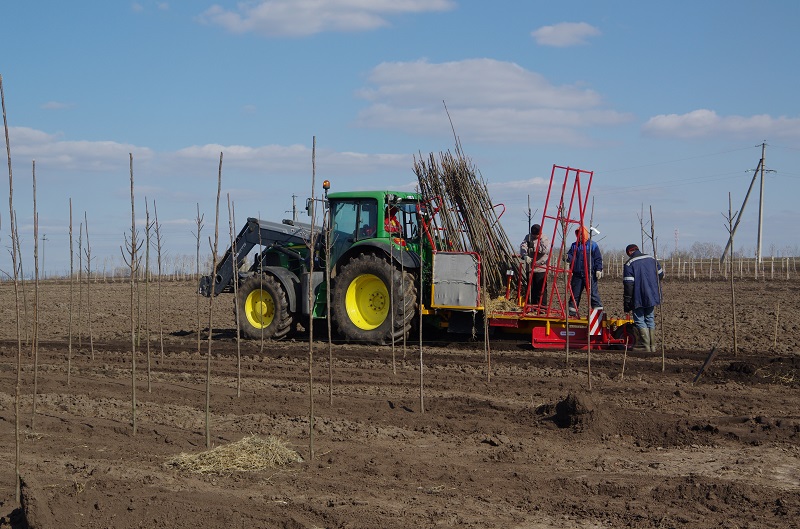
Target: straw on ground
<point>250,454</point>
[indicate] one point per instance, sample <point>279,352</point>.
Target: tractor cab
<point>383,218</point>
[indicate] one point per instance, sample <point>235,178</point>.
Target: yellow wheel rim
<point>259,308</point>
<point>367,302</point>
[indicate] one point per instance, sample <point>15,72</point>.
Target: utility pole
<point>676,240</point>
<point>759,170</point>
<point>294,208</point>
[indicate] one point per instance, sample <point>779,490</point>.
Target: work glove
<point>598,274</point>
<point>527,259</point>
<point>627,305</point>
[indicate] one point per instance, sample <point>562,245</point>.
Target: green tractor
<point>371,243</point>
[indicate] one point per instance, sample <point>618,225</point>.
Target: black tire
<point>622,332</point>
<point>361,306</point>
<point>263,308</point>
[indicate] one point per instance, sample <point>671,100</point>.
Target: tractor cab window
<point>352,220</point>
<point>367,219</point>
<point>405,223</point>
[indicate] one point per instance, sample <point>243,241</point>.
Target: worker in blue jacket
<point>584,254</point>
<point>641,294</point>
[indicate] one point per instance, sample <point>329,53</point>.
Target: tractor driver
<point>391,224</point>
<point>368,222</point>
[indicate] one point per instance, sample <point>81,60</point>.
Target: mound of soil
<point>578,411</point>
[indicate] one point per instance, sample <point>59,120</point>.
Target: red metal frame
<point>564,210</point>
<point>547,320</point>
<point>559,210</point>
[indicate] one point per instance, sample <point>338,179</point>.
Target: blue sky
<point>667,102</point>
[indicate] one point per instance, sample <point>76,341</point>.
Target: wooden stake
<point>624,359</point>
<point>777,314</point>
<point>147,227</point>
<point>80,284</point>
<point>35,339</point>
<point>328,248</point>
<point>71,283</point>
<point>311,304</point>
<point>421,379</point>
<point>391,304</point>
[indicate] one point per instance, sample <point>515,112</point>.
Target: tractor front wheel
<point>263,309</point>
<point>362,306</point>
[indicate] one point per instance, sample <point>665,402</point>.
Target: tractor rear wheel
<point>361,304</point>
<point>263,308</point>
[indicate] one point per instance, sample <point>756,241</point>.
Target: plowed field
<point>520,442</point>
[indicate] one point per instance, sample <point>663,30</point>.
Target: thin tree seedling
<point>159,257</point>
<point>129,255</point>
<point>214,248</point>
<point>199,224</point>
<point>14,261</point>
<point>88,286</point>
<point>235,276</point>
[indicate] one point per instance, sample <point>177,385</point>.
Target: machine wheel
<point>625,331</point>
<point>361,304</point>
<point>264,308</point>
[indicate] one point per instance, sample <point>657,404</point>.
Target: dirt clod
<point>577,410</point>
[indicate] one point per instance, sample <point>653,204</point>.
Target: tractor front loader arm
<point>255,232</point>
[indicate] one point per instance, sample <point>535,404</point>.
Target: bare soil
<point>519,439</point>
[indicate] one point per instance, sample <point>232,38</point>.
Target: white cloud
<point>265,159</point>
<point>565,34</point>
<point>53,153</point>
<point>50,151</point>
<point>488,100</point>
<point>705,123</point>
<point>291,159</point>
<point>515,186</point>
<point>56,105</point>
<point>501,84</point>
<point>299,18</point>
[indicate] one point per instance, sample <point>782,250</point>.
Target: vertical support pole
<point>733,290</point>
<point>760,205</point>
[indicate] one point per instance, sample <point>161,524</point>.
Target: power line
<point>672,183</point>
<point>674,161</point>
